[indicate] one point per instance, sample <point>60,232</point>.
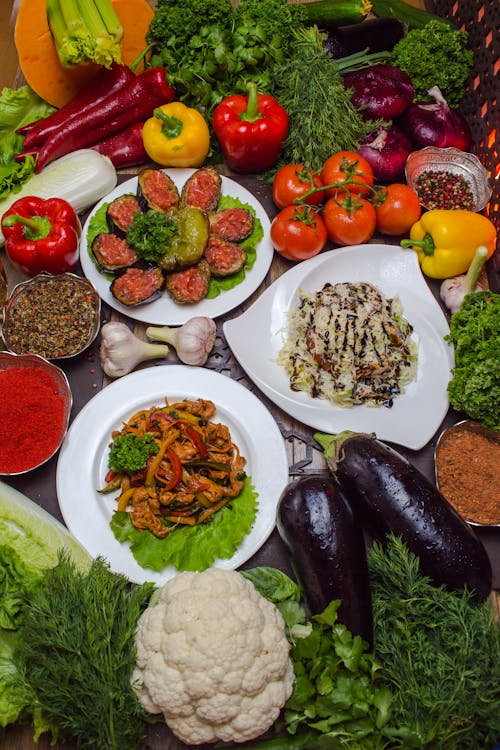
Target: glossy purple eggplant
<point>327,550</point>
<point>389,494</point>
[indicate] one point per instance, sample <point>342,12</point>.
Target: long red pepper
<point>132,104</point>
<point>103,85</point>
<point>126,148</point>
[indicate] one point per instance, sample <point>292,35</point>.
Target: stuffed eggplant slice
<point>189,285</point>
<point>156,190</point>
<point>121,212</point>
<point>113,253</point>
<point>232,224</point>
<point>202,190</point>
<point>223,257</point>
<point>138,285</point>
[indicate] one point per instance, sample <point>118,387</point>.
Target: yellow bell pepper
<point>176,136</point>
<point>446,241</point>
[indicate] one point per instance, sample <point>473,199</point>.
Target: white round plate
<point>417,413</point>
<point>83,458</point>
<point>163,310</point>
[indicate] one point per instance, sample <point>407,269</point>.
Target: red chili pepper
<point>176,465</point>
<point>126,148</point>
<point>129,105</point>
<point>103,85</point>
<point>195,437</point>
<point>41,235</point>
<point>250,130</point>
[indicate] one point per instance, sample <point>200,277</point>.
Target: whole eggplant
<point>327,550</point>
<point>391,495</point>
<point>380,91</point>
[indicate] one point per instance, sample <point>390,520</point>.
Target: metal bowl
<point>24,293</point>
<point>8,361</point>
<point>456,162</point>
<point>467,425</point>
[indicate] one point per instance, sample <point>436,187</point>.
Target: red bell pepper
<point>251,130</point>
<point>41,235</point>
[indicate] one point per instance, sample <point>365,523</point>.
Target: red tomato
<point>293,181</point>
<point>397,208</point>
<point>348,167</point>
<point>349,222</point>
<point>298,233</point>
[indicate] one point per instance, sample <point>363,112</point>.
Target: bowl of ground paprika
<point>35,406</point>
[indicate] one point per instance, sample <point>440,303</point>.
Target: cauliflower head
<point>213,657</point>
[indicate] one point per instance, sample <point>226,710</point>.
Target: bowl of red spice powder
<point>448,178</point>
<point>467,457</point>
<point>35,406</point>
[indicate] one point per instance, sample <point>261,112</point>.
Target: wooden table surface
<point>86,378</point>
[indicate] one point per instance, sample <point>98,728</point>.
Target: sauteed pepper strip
<point>250,129</point>
<point>41,235</point>
<point>446,241</point>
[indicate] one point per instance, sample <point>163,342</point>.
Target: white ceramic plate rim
<point>416,414</point>
<point>83,458</point>
<point>164,311</point>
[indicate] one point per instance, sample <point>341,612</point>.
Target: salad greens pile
<point>18,107</point>
<point>474,387</point>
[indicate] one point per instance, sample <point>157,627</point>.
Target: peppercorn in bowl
<point>448,178</point>
<point>35,408</point>
<point>54,316</point>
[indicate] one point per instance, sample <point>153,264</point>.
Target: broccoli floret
<point>129,453</point>
<point>475,384</point>
<point>176,22</point>
<point>436,55</point>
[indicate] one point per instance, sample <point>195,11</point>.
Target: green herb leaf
<point>129,453</point>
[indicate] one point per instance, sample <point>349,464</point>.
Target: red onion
<point>380,91</point>
<point>386,150</point>
<point>435,124</point>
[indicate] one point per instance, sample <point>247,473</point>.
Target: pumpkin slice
<point>38,57</point>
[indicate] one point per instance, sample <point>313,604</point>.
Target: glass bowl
<point>8,361</point>
<point>55,317</point>
<point>455,162</point>
<point>469,477</point>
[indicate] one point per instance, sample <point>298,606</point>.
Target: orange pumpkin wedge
<point>38,57</point>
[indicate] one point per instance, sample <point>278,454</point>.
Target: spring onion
<point>85,31</point>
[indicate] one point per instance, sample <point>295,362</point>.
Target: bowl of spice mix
<point>35,406</point>
<point>448,178</point>
<point>467,457</point>
<point>55,317</point>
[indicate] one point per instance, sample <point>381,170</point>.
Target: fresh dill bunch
<point>76,653</point>
<point>439,651</point>
<point>322,117</point>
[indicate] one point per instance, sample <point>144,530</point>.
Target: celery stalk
<point>85,31</point>
<point>110,19</point>
<point>71,46</point>
<point>106,48</point>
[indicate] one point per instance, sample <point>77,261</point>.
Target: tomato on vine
<point>298,232</point>
<point>349,219</point>
<point>397,208</point>
<point>349,169</point>
<point>294,181</point>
